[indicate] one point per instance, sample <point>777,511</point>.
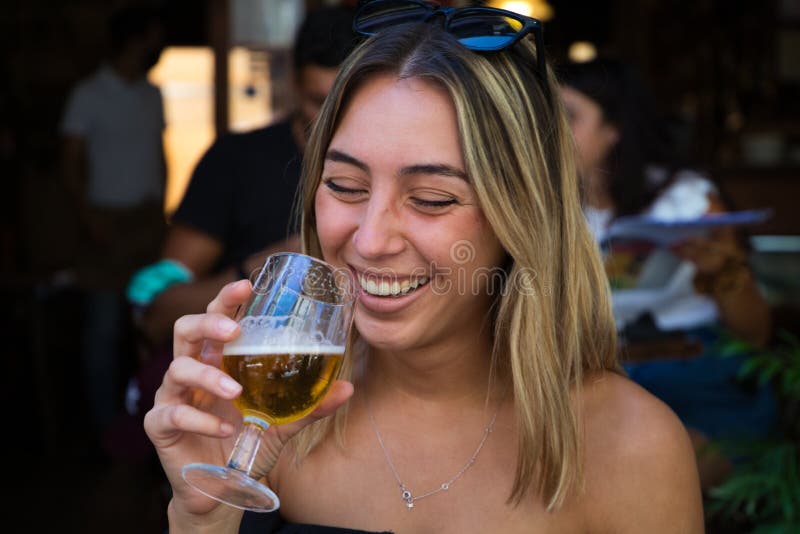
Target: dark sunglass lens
<point>375,16</point>
<point>480,30</point>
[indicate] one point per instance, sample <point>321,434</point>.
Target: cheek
<point>323,217</point>
<point>466,245</point>
<point>332,221</point>
<point>580,133</point>
<point>492,254</point>
<point>588,141</point>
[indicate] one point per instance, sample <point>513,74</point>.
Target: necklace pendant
<point>408,498</point>
<point>405,493</point>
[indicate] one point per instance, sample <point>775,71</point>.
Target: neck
<point>456,375</point>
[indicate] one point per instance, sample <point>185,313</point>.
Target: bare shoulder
<point>641,473</point>
<point>612,401</point>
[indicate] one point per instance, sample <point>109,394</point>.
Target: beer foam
<point>248,350</point>
<point>276,335</point>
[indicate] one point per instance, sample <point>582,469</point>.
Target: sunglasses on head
<point>482,29</point>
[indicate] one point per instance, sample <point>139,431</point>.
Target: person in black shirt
<point>237,207</point>
<point>260,170</point>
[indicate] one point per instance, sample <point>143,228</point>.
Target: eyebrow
<point>434,168</point>
<point>430,168</point>
<point>336,155</point>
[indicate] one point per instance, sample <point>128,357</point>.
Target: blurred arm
<point>742,307</point>
<point>724,275</point>
<point>193,297</point>
<point>197,250</point>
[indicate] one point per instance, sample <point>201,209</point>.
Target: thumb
<point>339,393</point>
<point>276,437</point>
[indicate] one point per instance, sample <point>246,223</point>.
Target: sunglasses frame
<point>530,25</point>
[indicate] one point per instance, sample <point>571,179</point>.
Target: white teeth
<point>384,288</point>
<point>371,287</point>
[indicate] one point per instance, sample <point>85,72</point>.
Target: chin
<point>385,337</point>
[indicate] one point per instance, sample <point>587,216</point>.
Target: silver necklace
<point>405,492</point>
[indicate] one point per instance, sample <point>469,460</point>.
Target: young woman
<point>481,392</point>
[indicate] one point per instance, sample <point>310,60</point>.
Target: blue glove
<point>149,281</point>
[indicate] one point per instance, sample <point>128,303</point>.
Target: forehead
<point>575,100</point>
<point>316,79</point>
<point>409,114</point>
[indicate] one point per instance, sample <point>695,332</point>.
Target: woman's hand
<point>724,275</point>
<point>193,418</point>
<point>712,254</point>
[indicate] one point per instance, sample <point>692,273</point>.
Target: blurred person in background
<point>628,167</point>
<point>237,207</point>
<point>235,212</point>
<point>113,164</point>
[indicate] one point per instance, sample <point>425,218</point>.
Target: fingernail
<point>229,385</point>
<point>227,327</point>
<point>226,428</point>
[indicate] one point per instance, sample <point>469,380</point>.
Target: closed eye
<point>336,188</point>
<point>434,203</point>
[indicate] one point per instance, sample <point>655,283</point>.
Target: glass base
<point>231,487</point>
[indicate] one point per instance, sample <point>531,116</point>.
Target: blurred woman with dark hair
<point>628,167</point>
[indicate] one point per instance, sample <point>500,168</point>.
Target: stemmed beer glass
<point>294,329</point>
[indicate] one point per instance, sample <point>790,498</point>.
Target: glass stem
<point>246,448</point>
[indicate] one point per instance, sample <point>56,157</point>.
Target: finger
<point>211,353</point>
<point>230,297</point>
<point>191,331</point>
<point>340,392</point>
<point>185,373</point>
<point>723,233</point>
<point>277,436</point>
<point>166,423</point>
<point>691,247</point>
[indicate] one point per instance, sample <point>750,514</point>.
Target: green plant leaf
<point>764,485</point>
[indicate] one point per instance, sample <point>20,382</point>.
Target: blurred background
<point>726,75</point>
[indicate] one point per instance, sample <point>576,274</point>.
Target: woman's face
<point>594,136</point>
<point>395,207</point>
<point>312,85</point>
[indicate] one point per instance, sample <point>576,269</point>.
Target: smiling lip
<point>394,287</point>
<point>372,283</point>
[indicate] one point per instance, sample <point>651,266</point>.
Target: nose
<point>379,232</point>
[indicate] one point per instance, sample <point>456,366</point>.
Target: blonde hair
<point>519,157</point>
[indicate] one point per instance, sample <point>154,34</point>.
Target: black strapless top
<point>253,523</point>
